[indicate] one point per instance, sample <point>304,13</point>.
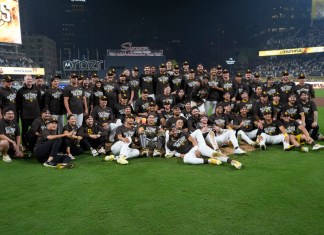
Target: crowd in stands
<point>11,58</point>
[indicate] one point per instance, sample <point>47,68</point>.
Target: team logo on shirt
<point>220,123</point>
<point>77,93</point>
<point>286,88</point>
<point>86,94</point>
<point>57,94</point>
<point>30,96</point>
<point>291,129</point>
<point>109,88</point>
<point>11,97</point>
<point>147,79</point>
<point>265,109</point>
<point>124,88</point>
<point>150,130</point>
<point>134,83</point>
<point>177,81</point>
<point>270,130</point>
<point>98,93</point>
<point>180,142</point>
<point>163,79</point>
<point>228,86</point>
<point>129,133</point>
<point>292,111</point>
<point>104,115</point>
<point>306,110</point>
<point>247,123</point>
<point>10,131</point>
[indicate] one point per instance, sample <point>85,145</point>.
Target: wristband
<point>285,135</point>
<point>195,148</point>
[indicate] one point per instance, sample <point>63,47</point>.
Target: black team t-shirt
<point>181,144</point>
<point>75,95</point>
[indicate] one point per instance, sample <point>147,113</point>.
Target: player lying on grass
<point>298,134</point>
<point>191,147</point>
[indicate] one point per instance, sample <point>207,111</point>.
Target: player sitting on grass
<point>48,145</point>
<point>150,137</point>
<point>298,134</point>
<point>9,136</point>
<point>223,130</point>
<point>124,135</point>
<point>272,132</point>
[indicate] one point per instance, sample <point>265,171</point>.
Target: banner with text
<point>293,51</point>
<point>21,71</point>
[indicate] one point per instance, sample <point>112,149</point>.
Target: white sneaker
<point>122,160</point>
<point>317,146</point>
<point>239,151</point>
<point>94,152</point>
<point>6,158</point>
<point>71,156</point>
<point>102,151</point>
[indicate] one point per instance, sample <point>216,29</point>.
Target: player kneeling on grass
<point>151,137</point>
<point>124,134</point>
<point>298,134</point>
<point>187,147</point>
<point>48,145</point>
<point>9,136</point>
<point>272,132</point>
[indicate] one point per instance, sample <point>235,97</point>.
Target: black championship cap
<point>129,116</point>
<point>7,78</point>
<point>285,73</point>
<point>256,75</point>
<point>301,76</point>
<point>73,75</point>
<point>239,75</point>
<point>51,120</point>
<point>103,98</point>
<point>264,94</point>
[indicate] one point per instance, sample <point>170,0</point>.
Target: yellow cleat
<point>236,164</point>
<point>122,160</point>
<point>109,158</point>
<point>215,161</point>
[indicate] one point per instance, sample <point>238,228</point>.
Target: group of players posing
<point>168,118</point>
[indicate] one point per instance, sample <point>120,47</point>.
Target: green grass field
<point>319,93</point>
<point>276,192</point>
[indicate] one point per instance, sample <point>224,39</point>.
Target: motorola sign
<point>82,65</point>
